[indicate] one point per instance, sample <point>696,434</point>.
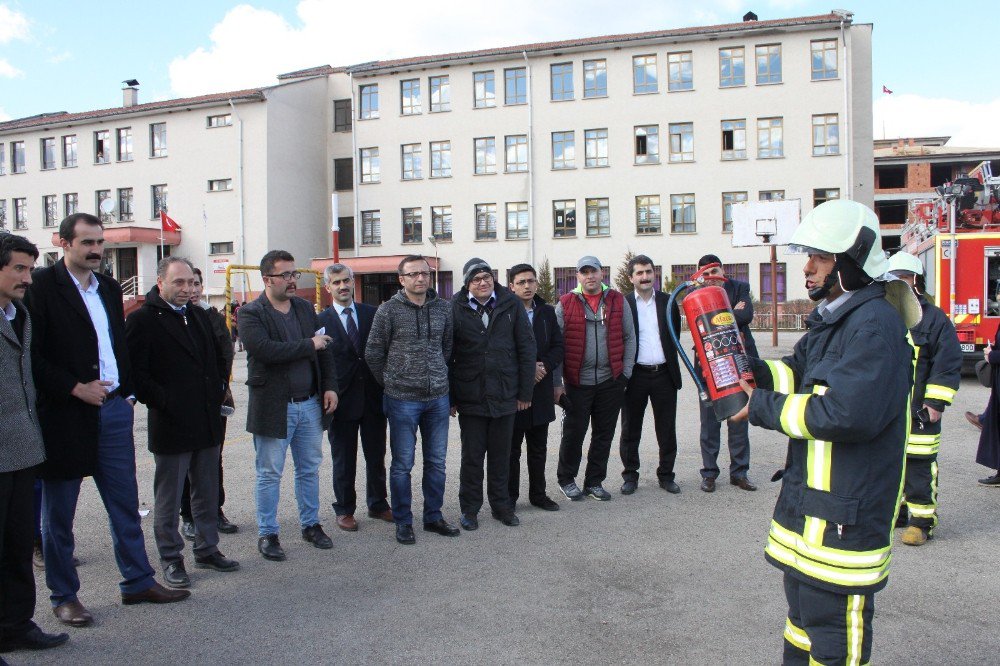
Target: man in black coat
<point>85,400</point>
<point>492,375</point>
<point>532,424</point>
<point>179,372</point>
<point>656,378</point>
<point>360,407</point>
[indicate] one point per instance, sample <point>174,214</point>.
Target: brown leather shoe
<point>742,482</point>
<point>157,594</point>
<point>708,485</point>
<point>382,515</point>
<point>973,419</point>
<point>73,613</point>
<point>347,523</point>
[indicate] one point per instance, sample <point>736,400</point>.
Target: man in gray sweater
<point>408,352</point>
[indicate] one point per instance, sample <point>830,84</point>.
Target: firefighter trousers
<point>920,490</point>
<point>826,627</point>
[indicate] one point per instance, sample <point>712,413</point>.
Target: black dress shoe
<point>469,522</point>
<point>270,548</point>
<point>405,535</point>
<point>629,487</point>
<point>35,639</point>
<point>187,530</point>
<point>174,575</point>
<point>991,480</point>
<point>216,561</point>
<point>708,485</point>
<point>508,518</point>
<point>670,486</point>
<point>442,527</point>
<point>545,503</point>
<point>315,535</point>
<point>742,482</point>
<point>225,526</point>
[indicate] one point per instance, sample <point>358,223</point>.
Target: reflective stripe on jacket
<point>939,373</point>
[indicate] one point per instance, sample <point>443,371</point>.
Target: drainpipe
<point>531,163</point>
<point>239,185</point>
<point>354,174</point>
<point>848,170</point>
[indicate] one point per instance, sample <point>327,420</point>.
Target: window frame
<point>484,146</point>
<point>409,97</point>
<point>18,166</point>
<point>158,203</point>
<point>371,228</point>
<point>738,129</point>
<point>482,228</point>
<point>518,76</point>
<point>128,154</point>
<point>643,67</point>
<point>737,60</point>
<point>66,143</point>
<point>676,70</point>
<point>102,140</point>
<point>126,204</point>
<point>767,56</point>
<point>680,131</point>
<point>592,89</point>
<point>443,93</point>
<point>216,185</point>
<point>67,201</point>
<point>768,130</point>
<point>221,247</point>
<point>781,282</point>
<point>596,153</point>
<point>561,222</point>
<point>828,194</point>
<point>368,108</point>
<point>20,213</point>
<point>598,227</point>
<point>646,227</point>
<point>50,210</point>
<point>566,146</point>
<point>521,214</point>
<point>369,165</point>
<point>562,92</point>
<point>823,73</point>
<point>219,120</point>
<point>411,155</point>
<point>47,144</point>
<point>827,147</point>
<point>728,199</point>
<point>412,219</point>
<point>516,145</point>
<point>440,159</point>
<point>487,81</point>
<point>441,217</point>
<point>158,140</point>
<point>683,202</point>
<point>651,157</point>
<point>340,114</point>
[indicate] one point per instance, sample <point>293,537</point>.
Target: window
<point>765,282</point>
<point>728,199</point>
<point>125,199</point>
<point>369,101</point>
<point>371,227</point>
<point>515,86</point>
<point>485,149</point>
<point>680,71</point>
<point>68,151</point>
<point>20,214</point>
<point>123,148</point>
<point>346,231</point>
<point>682,142</point>
<point>102,147</point>
<point>440,159</point>
<point>3,159</point>
<point>220,248</point>
<point>516,153</point>
<point>647,144</point>
<point>564,219</point>
<point>596,147</point>
<point>566,280</point>
<point>768,64</point>
<point>158,140</point>
<point>484,89</point>
<point>159,199</point>
<point>440,93</point>
<point>486,221</point>
<point>412,161</point>
<point>343,174</point>
<point>770,142</point>
<point>564,150</point>
<point>734,139</point>
<point>17,157</point>
<point>517,220</point>
<point>221,120</point>
<point>441,223</point>
<point>49,153</point>
<point>50,206</point>
<point>220,185</point>
<point>71,203</point>
<point>682,272</point>
<point>562,81</point>
<point>409,97</point>
<point>100,196</point>
<point>647,214</point>
<point>3,215</point>
<point>595,78</point>
<point>824,195</point>
<point>682,220</point>
<point>771,195</point>
<point>732,68</point>
<point>598,217</point>
<point>824,59</point>
<point>644,75</point>
<point>342,115</point>
<point>371,166</point>
<point>413,225</point>
<point>826,134</point>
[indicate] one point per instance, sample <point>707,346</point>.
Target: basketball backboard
<point>765,223</point>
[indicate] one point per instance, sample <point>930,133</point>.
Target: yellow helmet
<point>843,227</point>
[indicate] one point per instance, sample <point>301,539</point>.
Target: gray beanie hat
<point>472,268</point>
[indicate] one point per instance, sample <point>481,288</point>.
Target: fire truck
<point>956,236</point>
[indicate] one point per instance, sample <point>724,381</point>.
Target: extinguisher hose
<point>699,384</point>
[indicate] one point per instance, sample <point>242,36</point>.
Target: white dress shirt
<point>10,312</point>
<point>99,319</point>
<point>340,314</point>
<point>650,345</point>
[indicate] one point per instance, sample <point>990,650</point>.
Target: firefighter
<point>939,367</point>
<point>842,398</point>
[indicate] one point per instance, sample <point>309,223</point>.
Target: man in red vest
<point>600,352</point>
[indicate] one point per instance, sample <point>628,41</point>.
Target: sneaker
<point>598,493</point>
<point>914,536</point>
<point>572,491</point>
<point>315,535</point>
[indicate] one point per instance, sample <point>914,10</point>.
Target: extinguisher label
<point>724,371</point>
<point>723,319</point>
<point>723,348</point>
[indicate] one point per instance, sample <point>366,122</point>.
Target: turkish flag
<point>886,90</point>
<point>168,224</point>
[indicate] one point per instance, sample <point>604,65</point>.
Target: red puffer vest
<point>575,333</point>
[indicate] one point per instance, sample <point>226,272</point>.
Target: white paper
<point>321,331</point>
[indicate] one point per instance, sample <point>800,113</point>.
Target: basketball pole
<point>774,296</point>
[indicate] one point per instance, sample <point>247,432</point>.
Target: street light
<point>433,239</point>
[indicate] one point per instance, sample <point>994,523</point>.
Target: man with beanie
<point>492,375</point>
<point>597,327</point>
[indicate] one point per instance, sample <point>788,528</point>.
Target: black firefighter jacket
<point>939,372</point>
<point>843,399</point>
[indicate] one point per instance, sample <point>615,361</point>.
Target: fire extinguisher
<point>717,341</point>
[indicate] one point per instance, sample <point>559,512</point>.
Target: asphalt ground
<point>651,578</point>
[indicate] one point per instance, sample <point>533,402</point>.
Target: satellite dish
<point>108,206</point>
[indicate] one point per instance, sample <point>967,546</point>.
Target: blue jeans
<point>305,437</point>
<point>405,417</point>
<point>115,479</point>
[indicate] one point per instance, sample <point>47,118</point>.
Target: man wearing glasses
<point>408,351</point>
<point>293,392</point>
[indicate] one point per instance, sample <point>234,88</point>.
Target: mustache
<point>93,256</point>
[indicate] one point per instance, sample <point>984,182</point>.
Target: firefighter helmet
<point>847,228</point>
<point>904,261</point>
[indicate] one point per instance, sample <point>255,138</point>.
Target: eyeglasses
<point>416,275</point>
<point>482,280</point>
<point>526,282</point>
<point>287,275</point>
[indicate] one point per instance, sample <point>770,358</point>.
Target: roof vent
<point>130,93</point>
<point>749,16</point>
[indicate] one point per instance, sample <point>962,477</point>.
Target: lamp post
<point>433,239</point>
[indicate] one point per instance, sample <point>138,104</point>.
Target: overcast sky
<point>64,55</point>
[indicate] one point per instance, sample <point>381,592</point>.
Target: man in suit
<point>532,424</point>
<point>21,451</point>
<point>739,436</point>
<point>360,407</point>
<point>85,400</point>
<point>293,392</point>
<point>178,372</point>
<point>656,378</point>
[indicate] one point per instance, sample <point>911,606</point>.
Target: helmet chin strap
<point>821,292</point>
<point>846,273</point>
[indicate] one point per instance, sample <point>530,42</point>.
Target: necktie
<point>352,330</point>
<point>484,311</point>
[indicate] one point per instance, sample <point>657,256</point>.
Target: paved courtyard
<point>650,578</point>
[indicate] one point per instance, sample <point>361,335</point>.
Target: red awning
<point>134,235</point>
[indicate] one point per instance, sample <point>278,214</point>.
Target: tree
<point>623,278</point>
<point>546,287</point>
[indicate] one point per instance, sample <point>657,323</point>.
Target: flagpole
<point>161,234</point>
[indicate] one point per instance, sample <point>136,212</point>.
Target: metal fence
<point>786,322</point>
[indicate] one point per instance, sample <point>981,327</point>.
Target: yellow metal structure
<point>246,269</point>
